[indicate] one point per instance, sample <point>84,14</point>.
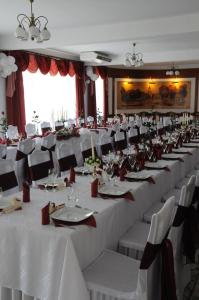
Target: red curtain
<point>33,62</point>
<point>92,99</point>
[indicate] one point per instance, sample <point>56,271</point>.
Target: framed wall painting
<point>134,95</point>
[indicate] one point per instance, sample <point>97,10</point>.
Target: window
<point>99,88</point>
<point>52,97</point>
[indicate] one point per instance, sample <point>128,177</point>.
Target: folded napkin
<point>67,183</point>
<point>15,204</point>
<point>45,219</point>
<point>128,196</point>
<point>150,179</point>
<point>183,152</point>
<point>94,187</point>
<point>122,174</point>
<point>26,192</point>
<point>89,221</point>
<point>173,158</point>
<point>72,176</point>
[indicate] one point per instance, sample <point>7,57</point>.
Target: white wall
<point>2,95</point>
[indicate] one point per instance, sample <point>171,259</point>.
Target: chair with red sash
<point>133,135</point>
<point>113,276</point>
<point>45,127</point>
<point>66,157</point>
<point>49,143</point>
<point>25,147</point>
<point>8,180</point>
<point>120,142</point>
<point>105,143</point>
<point>3,151</point>
<point>39,165</point>
<point>85,146</point>
<point>178,195</point>
<point>30,129</point>
<point>59,125</point>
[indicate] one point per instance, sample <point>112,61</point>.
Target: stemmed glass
<point>109,169</point>
<point>72,195</point>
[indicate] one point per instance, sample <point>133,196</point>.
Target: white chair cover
<point>105,141</point>
<point>64,150</point>
<point>48,141</point>
<point>30,129</point>
<point>8,180</point>
<point>12,132</point>
<point>3,150</point>
<point>38,162</point>
<point>25,146</point>
<point>45,125</point>
<point>119,136</point>
<point>116,277</point>
<point>182,270</point>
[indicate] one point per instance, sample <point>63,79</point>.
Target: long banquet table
<point>46,262</point>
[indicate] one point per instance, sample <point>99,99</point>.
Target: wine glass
<point>109,171</point>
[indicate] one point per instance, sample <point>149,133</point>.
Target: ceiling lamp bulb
<point>172,72</point>
<point>35,27</point>
<point>45,34</point>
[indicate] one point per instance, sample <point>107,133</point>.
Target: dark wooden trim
<point>196,95</point>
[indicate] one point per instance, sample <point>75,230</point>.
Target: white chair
<point>39,164</point>
<point>105,143</point>
<point>119,141</point>
<point>85,145</point>
<point>155,207</point>
<point>59,125</point>
<point>132,135</point>
<point>45,127</point>
<point>113,276</point>
<point>49,143</point>
<point>3,151</point>
<point>24,148</point>
<point>8,180</point>
<point>12,132</point>
<point>30,129</point>
<point>65,157</point>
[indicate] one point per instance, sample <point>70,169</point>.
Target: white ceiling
<point>165,31</point>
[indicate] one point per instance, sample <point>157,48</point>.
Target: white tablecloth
<point>46,262</point>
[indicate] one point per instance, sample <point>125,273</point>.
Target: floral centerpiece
<point>92,162</point>
<point>3,123</point>
<point>67,133</point>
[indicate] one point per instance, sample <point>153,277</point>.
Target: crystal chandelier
<point>33,27</point>
<point>134,59</point>
<point>172,71</point>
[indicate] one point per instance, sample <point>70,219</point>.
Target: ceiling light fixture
<point>172,71</point>
<point>33,27</point>
<point>134,59</point>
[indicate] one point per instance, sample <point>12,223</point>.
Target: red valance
<point>33,62</point>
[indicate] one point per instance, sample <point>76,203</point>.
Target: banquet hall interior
<point>99,150</point>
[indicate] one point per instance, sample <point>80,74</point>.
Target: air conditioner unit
<point>94,56</point>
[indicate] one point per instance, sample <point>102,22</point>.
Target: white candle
<point>92,146</point>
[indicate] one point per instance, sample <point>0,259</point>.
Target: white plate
<point>154,165</point>
<point>71,214</point>
<point>83,170</point>
<point>137,175</point>
<point>113,190</point>
<point>171,155</point>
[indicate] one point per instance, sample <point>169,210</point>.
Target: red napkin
<point>67,183</point>
<point>167,169</point>
<point>72,176</point>
<point>129,196</point>
<point>150,180</point>
<point>26,192</point>
<point>122,174</point>
<point>45,219</point>
<point>89,221</point>
<point>94,188</point>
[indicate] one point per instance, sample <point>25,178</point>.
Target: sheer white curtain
<point>52,97</point>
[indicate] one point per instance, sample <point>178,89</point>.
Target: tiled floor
<point>192,290</point>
